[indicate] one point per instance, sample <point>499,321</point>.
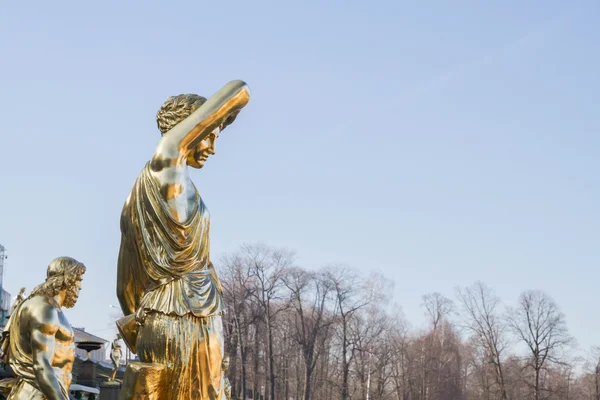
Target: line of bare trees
<point>333,333</point>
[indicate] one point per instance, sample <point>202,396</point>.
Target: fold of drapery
<point>164,265</point>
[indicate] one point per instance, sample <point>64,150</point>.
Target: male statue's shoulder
<point>40,309</point>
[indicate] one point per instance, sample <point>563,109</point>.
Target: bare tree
<point>539,324</point>
<point>562,379</point>
<point>597,374</point>
<point>238,288</point>
<point>485,324</point>
<point>434,354</point>
<point>268,266</point>
<point>309,294</point>
<point>370,323</point>
<point>367,332</point>
<point>348,289</point>
<point>592,373</point>
<point>294,333</point>
<point>438,307</point>
<point>401,363</point>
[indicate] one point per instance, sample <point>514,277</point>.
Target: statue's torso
<point>116,352</point>
<point>64,351</point>
<point>167,223</point>
<point>178,192</point>
<point>64,347</point>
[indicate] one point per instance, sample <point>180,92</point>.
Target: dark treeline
<point>334,333</point>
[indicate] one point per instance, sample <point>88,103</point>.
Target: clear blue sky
<point>438,143</point>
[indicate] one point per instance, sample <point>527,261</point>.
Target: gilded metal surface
<point>128,329</point>
<point>227,384</point>
<point>115,356</point>
<point>38,341</point>
<point>165,276</point>
<point>144,381</point>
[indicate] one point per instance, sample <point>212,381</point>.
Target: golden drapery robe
<point>164,265</point>
<point>165,276</point>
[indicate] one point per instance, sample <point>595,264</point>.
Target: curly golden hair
<point>177,108</point>
<point>63,273</point>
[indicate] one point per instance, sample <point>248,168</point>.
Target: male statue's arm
<point>44,327</point>
<point>177,143</point>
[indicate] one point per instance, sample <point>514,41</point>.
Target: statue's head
<point>177,108</point>
<point>64,275</point>
<point>225,362</point>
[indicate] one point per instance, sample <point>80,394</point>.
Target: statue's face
<point>72,294</point>
<point>205,149</point>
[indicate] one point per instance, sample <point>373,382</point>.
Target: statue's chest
<point>65,331</point>
<point>183,206</point>
<point>191,198</point>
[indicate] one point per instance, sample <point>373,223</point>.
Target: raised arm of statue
<point>189,125</point>
<point>44,327</point>
<point>178,142</point>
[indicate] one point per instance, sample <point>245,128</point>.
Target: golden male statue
<point>38,341</point>
<point>166,284</point>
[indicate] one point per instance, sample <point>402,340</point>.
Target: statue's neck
<point>58,300</point>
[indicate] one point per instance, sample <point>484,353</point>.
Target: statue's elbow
<point>121,297</point>
<point>125,300</point>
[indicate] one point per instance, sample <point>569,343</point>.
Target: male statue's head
<point>63,281</point>
<point>177,108</point>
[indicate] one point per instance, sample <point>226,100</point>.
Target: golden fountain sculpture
<point>38,341</point>
<point>166,284</point>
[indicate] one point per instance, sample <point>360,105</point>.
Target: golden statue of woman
<point>167,285</point>
<point>38,340</point>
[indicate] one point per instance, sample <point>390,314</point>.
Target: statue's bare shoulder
<point>40,314</point>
